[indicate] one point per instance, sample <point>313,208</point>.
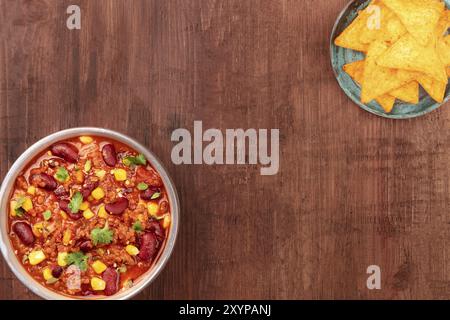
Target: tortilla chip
<point>386,102</point>
<point>444,50</point>
<point>356,71</point>
<point>443,24</point>
<point>435,89</point>
<point>408,93</point>
<point>378,80</point>
<point>361,32</point>
<point>420,17</point>
<point>349,38</point>
<point>390,27</point>
<point>448,72</point>
<point>408,54</point>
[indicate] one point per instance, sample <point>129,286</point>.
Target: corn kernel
<point>84,206</point>
<point>31,190</point>
<point>36,257</point>
<point>47,273</point>
<point>66,237</point>
<point>98,284</point>
<point>27,205</point>
<point>102,212</point>
<point>79,175</point>
<point>120,175</point>
<point>98,193</point>
<point>132,250</point>
<point>88,214</point>
<point>100,174</point>
<point>63,214</point>
<point>62,256</point>
<point>37,229</point>
<point>166,221</point>
<point>86,139</point>
<point>153,209</point>
<point>99,266</point>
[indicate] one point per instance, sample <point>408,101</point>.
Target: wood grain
<point>353,189</point>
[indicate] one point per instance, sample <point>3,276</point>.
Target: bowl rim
<point>23,160</point>
<point>363,106</point>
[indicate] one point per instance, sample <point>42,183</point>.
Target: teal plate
<point>341,56</point>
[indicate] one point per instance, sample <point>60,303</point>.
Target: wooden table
<point>353,189</point>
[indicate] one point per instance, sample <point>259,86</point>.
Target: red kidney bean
<point>23,231</point>
<point>57,271</point>
<point>148,246</point>
<point>61,192</point>
<point>86,246</point>
<point>109,154</point>
<point>148,194</point>
<point>44,181</point>
<point>156,228</point>
<point>118,206</point>
<point>66,151</point>
<point>88,187</point>
<point>64,205</point>
<point>111,277</point>
<point>149,176</point>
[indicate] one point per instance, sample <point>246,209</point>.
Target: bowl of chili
<point>87,213</point>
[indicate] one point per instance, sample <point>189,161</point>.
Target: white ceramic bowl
<point>23,161</point>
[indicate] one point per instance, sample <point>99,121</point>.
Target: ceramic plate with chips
<point>389,66</point>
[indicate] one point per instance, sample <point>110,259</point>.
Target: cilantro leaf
<point>137,226</point>
<point>102,236</point>
<point>77,258</point>
<point>142,186</point>
<point>61,174</point>
<point>138,160</point>
<point>18,207</point>
<point>76,202</point>
<point>47,214</point>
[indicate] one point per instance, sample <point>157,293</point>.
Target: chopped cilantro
<point>77,258</point>
<point>138,160</point>
<point>137,226</point>
<point>76,202</point>
<point>47,214</point>
<point>102,236</point>
<point>18,207</point>
<point>62,174</point>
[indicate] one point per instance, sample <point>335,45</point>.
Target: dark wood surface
<point>353,189</point>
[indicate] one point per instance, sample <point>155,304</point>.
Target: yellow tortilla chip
<point>448,72</point>
<point>444,50</point>
<point>420,17</point>
<point>364,29</point>
<point>386,102</point>
<point>355,70</point>
<point>408,54</point>
<point>390,28</point>
<point>378,80</point>
<point>349,38</point>
<point>435,89</point>
<point>408,93</point>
